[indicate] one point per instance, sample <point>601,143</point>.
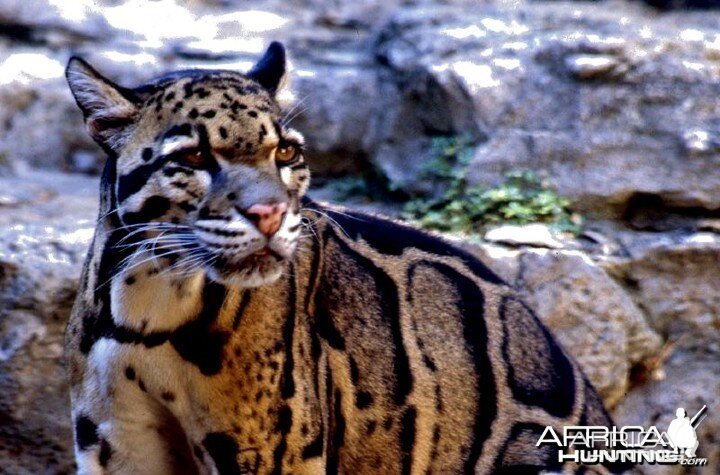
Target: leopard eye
<point>286,153</point>
<point>191,158</point>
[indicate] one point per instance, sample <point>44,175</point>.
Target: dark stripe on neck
<point>407,438</point>
<point>224,451</point>
<point>196,341</point>
<point>323,323</point>
<point>96,325</point>
<point>284,423</point>
<point>314,448</point>
<point>337,429</point>
<point>287,384</point>
<point>240,312</point>
<point>310,294</point>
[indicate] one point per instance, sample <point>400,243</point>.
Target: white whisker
<point>329,218</point>
<point>285,122</point>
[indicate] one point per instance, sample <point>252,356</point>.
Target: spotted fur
<point>341,343</point>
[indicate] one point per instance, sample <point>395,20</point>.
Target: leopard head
<point>202,172</point>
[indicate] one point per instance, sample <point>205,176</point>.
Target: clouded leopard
<point>227,324</point>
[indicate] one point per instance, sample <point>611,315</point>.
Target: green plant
<point>452,156</point>
<point>521,198</point>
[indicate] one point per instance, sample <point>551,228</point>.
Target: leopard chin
<point>257,269</point>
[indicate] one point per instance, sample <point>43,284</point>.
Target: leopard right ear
<point>109,110</point>
<point>271,70</point>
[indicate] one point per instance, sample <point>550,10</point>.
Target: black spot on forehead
<point>152,99</point>
<point>188,88</point>
<point>265,106</point>
<point>236,106</point>
<point>211,164</point>
<point>204,79</point>
<point>243,90</point>
<point>179,130</point>
<point>130,373</point>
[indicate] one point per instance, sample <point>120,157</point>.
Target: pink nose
<point>267,217</point>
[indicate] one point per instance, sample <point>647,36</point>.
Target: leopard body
<point>207,338</point>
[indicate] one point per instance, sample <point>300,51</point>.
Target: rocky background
<point>617,104</point>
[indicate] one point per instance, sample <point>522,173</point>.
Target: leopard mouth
<point>257,260</point>
<point>254,269</point>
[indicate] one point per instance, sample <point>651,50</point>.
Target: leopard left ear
<point>109,109</point>
<point>270,70</point>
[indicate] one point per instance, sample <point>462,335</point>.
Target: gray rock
<point>58,23</point>
<point>536,235</point>
<point>327,111</point>
<point>585,67</point>
<point>673,278</point>
<point>676,281</point>
<point>46,226</point>
<point>607,101</point>
<point>40,124</point>
<point>699,141</point>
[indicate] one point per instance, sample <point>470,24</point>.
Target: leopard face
<point>205,173</point>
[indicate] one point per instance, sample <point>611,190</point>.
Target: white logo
<point>590,445</point>
<point>682,432</point>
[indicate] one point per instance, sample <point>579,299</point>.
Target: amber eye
<point>286,153</point>
<point>191,158</point>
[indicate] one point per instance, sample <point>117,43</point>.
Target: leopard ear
<point>271,68</point>
<point>109,110</point>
